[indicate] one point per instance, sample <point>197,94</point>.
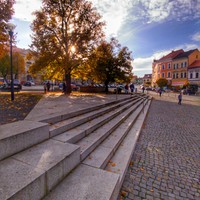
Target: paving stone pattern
<point>166,161</point>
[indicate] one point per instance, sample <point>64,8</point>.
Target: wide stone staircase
<point>71,156</point>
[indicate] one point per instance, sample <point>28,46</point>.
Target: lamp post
<point>10,27</point>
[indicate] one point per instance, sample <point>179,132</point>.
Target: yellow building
<point>180,66</point>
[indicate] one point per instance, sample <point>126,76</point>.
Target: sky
<point>149,28</point>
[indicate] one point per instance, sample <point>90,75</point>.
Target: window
<point>197,75</point>
<point>174,66</point>
<point>181,65</point>
<point>185,64</point>
<point>163,75</point>
<point>196,56</point>
<point>163,66</point>
<point>169,75</point>
<point>176,75</point>
<point>191,75</point>
<point>177,66</point>
<point>169,66</point>
<point>181,75</point>
<point>185,75</point>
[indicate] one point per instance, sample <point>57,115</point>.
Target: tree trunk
<point>68,82</point>
<point>106,86</point>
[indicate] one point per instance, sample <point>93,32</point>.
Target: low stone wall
<point>92,89</point>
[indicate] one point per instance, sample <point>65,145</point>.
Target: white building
<point>194,73</point>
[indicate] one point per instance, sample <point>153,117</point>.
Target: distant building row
<point>178,67</point>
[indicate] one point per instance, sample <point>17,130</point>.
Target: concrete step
<point>20,135</point>
<point>120,161</point>
<point>75,121</point>
<point>87,183</point>
<point>103,153</point>
<point>32,173</point>
<point>75,134</point>
<point>57,117</point>
<point>90,142</point>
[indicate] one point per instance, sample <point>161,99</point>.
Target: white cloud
<point>24,9</point>
<point>196,37</point>
<point>114,13</point>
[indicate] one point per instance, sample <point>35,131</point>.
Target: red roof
<point>195,64</point>
<point>171,55</point>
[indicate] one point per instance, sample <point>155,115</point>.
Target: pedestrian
<point>143,89</point>
<point>64,88</point>
<point>179,98</point>
<point>132,87</point>
<point>48,86</point>
<point>160,92</point>
<point>126,88</point>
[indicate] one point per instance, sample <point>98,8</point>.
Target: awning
<point>178,83</point>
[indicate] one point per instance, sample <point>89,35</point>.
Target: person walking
<point>132,87</point>
<point>179,98</point>
<point>143,89</point>
<point>160,92</point>
<point>64,88</point>
<point>48,86</point>
<point>126,88</point>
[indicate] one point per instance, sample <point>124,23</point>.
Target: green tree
<point>64,34</point>
<point>162,82</point>
<point>111,63</point>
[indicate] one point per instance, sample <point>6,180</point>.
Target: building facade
<point>194,73</point>
<point>174,67</point>
<point>147,79</point>
<point>162,68</point>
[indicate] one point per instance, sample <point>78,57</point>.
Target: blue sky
<point>149,28</point>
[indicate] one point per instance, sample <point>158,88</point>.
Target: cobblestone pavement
<point>166,161</point>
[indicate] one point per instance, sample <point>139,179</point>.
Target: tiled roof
<point>184,54</point>
<point>147,75</point>
<point>171,55</point>
<point>195,64</point>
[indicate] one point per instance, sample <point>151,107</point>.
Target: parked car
<point>119,89</point>
<point>73,87</point>
<point>7,87</point>
<point>29,83</point>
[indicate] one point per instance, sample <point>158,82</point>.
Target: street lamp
<point>10,27</point>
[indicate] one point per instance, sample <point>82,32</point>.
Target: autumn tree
<point>18,64</point>
<point>6,11</point>
<point>5,66</point>
<point>64,34</point>
<point>162,82</point>
<point>111,63</point>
